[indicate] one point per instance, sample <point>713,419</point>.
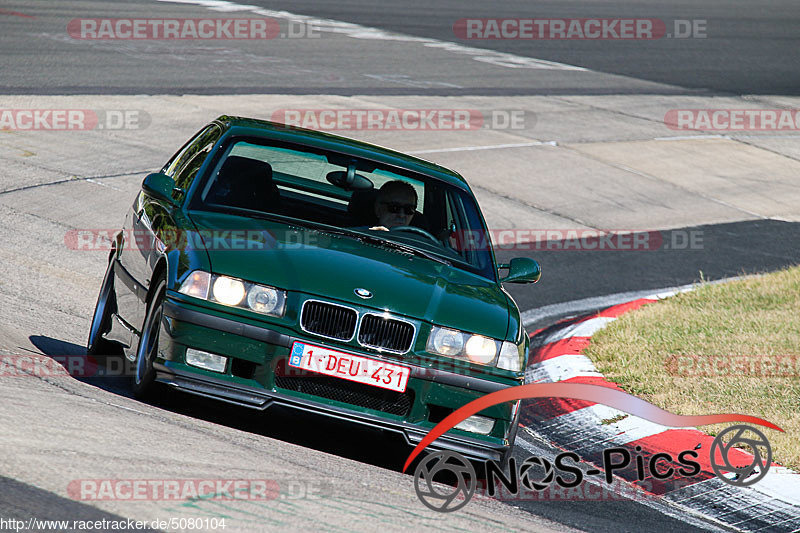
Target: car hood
<point>332,266</point>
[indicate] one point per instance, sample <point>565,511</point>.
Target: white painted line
<point>561,368</point>
<point>489,147</point>
<point>735,136</point>
<point>587,328</point>
<point>96,182</point>
<point>585,305</point>
<point>356,31</point>
<point>781,483</point>
<point>690,137</point>
<point>623,431</point>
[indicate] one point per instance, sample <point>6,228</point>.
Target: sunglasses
<point>394,208</point>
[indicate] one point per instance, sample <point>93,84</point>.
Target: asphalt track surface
<point>56,430</point>
<point>748,48</point>
<point>728,250</point>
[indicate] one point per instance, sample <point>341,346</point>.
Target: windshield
<point>360,198</point>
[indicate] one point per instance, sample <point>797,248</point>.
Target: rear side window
<point>184,165</point>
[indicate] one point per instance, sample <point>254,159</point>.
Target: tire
<point>106,306</point>
<point>145,387</point>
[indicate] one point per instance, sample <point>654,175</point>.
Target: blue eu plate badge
<point>297,354</point>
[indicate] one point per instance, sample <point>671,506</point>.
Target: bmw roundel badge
<point>363,293</point>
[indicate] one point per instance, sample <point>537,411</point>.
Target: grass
<point>732,332</point>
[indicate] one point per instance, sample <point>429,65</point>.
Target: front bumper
<point>262,352</point>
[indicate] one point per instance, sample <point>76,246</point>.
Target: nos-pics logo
<point>446,481</point>
<point>461,479</point>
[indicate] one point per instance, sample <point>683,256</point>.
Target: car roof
<point>327,141</point>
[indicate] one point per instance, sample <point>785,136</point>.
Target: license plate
<point>349,366</point>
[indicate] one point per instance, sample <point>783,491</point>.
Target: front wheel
<point>144,375</point>
<point>106,306</point>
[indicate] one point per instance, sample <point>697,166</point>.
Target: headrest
<point>236,166</point>
<point>362,207</point>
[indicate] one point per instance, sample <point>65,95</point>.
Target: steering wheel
<point>415,229</point>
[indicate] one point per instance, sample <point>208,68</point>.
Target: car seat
<point>246,183</point>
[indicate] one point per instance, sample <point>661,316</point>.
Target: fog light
<point>205,360</point>
<point>477,424</point>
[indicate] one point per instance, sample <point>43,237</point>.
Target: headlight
<point>476,348</point>
<point>265,300</point>
<point>481,350</point>
<point>446,342</point>
<point>511,356</point>
<point>235,293</point>
<point>228,291</point>
<point>196,284</point>
<point>460,345</point>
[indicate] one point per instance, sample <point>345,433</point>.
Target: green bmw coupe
<point>272,265</point>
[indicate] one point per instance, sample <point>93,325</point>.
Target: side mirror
<point>159,186</point>
<point>522,270</point>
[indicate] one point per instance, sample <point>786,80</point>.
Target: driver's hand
<point>379,228</point>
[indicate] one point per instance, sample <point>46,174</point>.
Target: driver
<point>395,205</point>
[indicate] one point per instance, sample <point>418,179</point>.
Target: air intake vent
<point>340,390</point>
<point>328,320</point>
<point>385,333</point>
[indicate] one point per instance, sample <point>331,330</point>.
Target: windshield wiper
<point>372,239</point>
<point>362,237</point>
<point>275,217</point>
<point>404,248</point>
